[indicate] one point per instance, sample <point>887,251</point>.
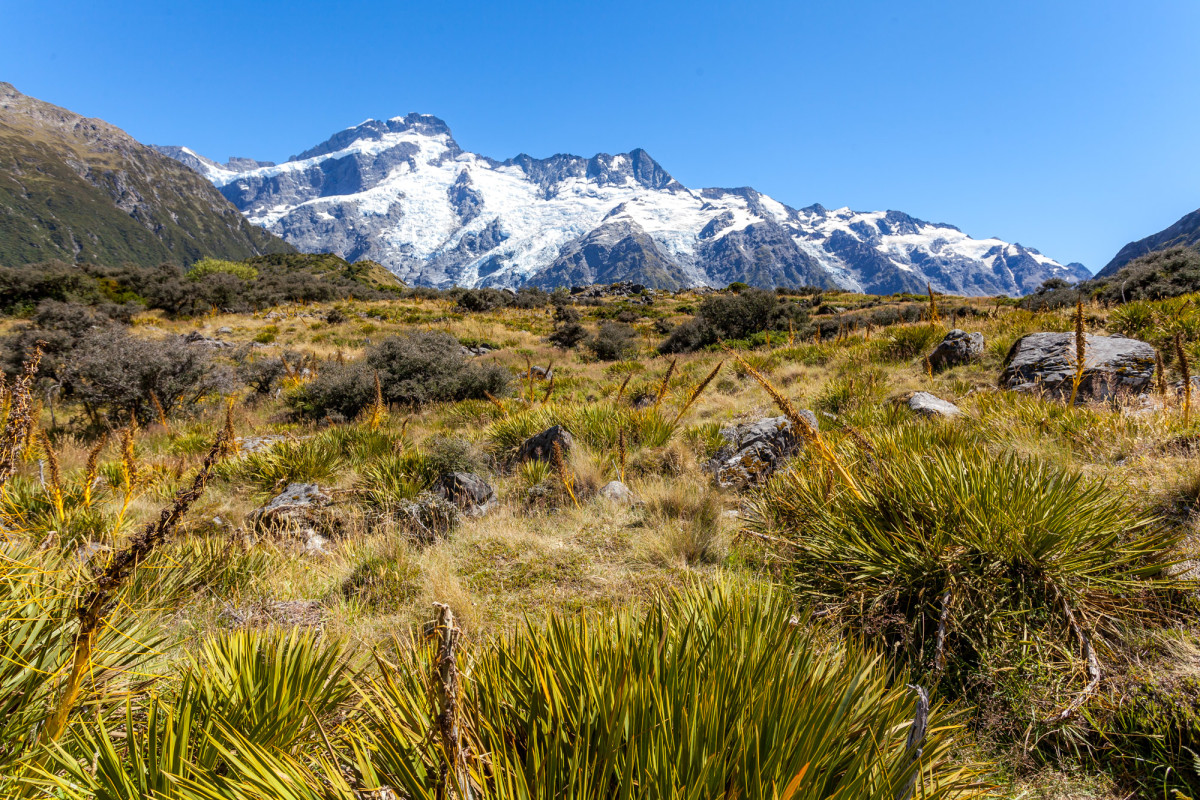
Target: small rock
<point>754,450</point>
<point>959,347</point>
<point>429,517</point>
<point>541,446</point>
<point>929,405</point>
<point>314,544</point>
<point>195,337</point>
<point>298,504</point>
<point>618,492</point>
<point>471,493</point>
<point>224,331</point>
<point>253,444</point>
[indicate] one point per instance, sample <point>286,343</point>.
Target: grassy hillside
<point>753,641</point>
<point>76,189</point>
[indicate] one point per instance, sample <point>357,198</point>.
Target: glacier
<point>403,193</point>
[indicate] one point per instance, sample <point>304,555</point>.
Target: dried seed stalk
<point>1080,352</point>
<point>662,389</point>
<point>621,451</point>
<point>158,409</point>
<point>621,391</point>
<point>1160,374</point>
<point>934,319</point>
<point>803,428</point>
<point>18,422</point>
<point>1185,369</point>
<point>56,493</point>
<point>491,399</point>
<point>453,778</point>
<point>564,473</point>
<point>700,387</point>
<point>91,469</point>
<point>378,409</point>
<point>95,606</point>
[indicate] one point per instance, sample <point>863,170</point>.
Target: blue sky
<point>1068,126</point>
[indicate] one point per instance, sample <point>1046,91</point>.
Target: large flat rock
<point>1045,363</point>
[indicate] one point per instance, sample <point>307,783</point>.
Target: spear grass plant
<point>949,552</point>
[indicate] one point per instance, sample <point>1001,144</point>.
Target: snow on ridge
<point>406,210</point>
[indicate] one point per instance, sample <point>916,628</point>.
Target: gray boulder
<point>541,446</point>
<point>428,517</point>
<point>1044,363</point>
<point>753,450</point>
<point>618,492</point>
<point>928,405</point>
<point>959,347</point>
<point>300,504</point>
<point>471,493</point>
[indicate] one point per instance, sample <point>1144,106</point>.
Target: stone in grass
<point>1044,363</point>
<point>298,503</point>
<point>541,446</point>
<point>959,347</point>
<point>471,493</point>
<point>428,517</point>
<point>618,492</point>
<point>928,405</point>
<point>753,450</point>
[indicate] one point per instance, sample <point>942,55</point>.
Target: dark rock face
<point>754,450</point>
<point>958,348</point>
<point>1045,363</point>
<point>615,251</point>
<point>541,446</point>
<point>471,493</point>
<point>928,405</point>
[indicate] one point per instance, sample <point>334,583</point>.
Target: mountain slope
<point>403,193</point>
<point>1184,233</point>
<point>79,189</point>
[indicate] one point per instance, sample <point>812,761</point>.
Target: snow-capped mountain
<point>403,193</point>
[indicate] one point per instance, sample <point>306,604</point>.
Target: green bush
<point>421,367</point>
<point>215,266</point>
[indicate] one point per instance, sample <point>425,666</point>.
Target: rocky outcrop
<point>754,450</point>
<point>541,446</point>
<point>958,348</point>
<point>1044,363</point>
<point>471,493</point>
<point>299,512</point>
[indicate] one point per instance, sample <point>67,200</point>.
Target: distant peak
<point>374,129</point>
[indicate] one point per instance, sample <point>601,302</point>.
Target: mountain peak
<point>402,192</point>
<point>378,130</point>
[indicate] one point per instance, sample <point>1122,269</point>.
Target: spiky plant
<point>716,690</point>
<point>951,550</point>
